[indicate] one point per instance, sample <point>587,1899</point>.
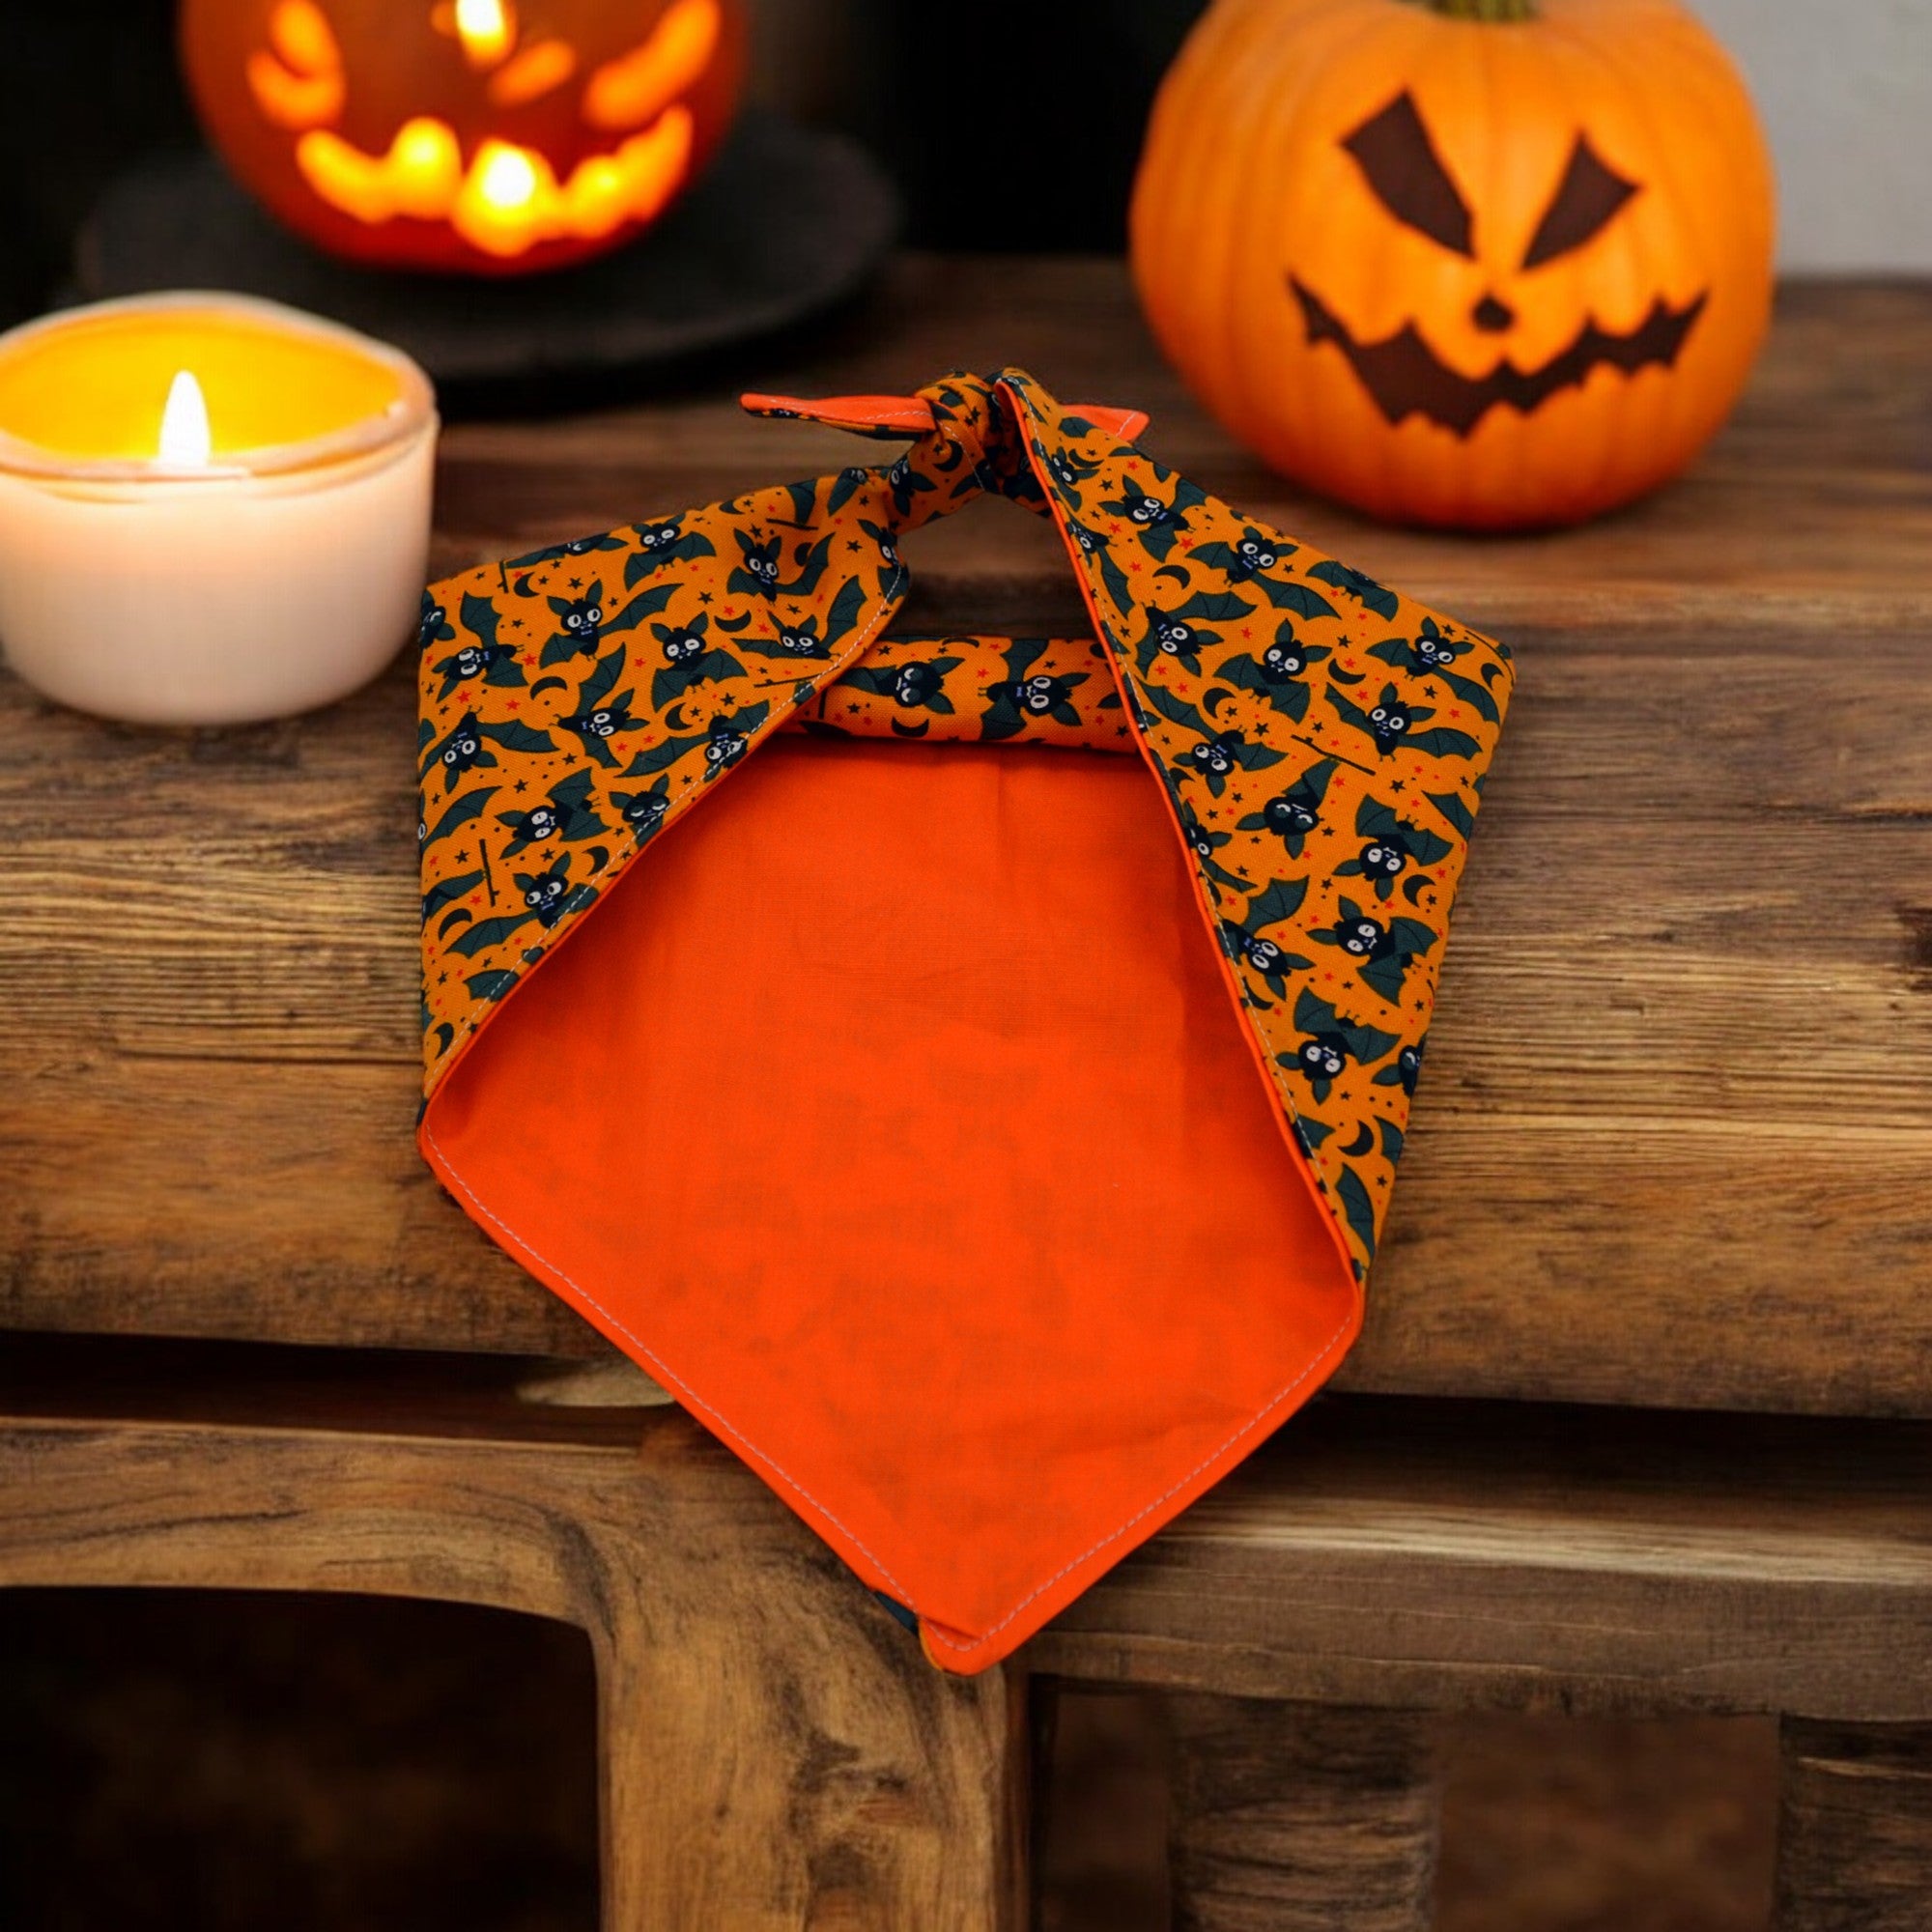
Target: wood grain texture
<point>1450,1555</point>
<point>1291,1818</point>
<point>1854,1829</point>
<point>1673,1140</point>
<point>1380,1553</point>
<point>775,1753</point>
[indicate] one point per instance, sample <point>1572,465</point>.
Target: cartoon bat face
<point>462,749</point>
<point>1246,941</point>
<point>1176,635</point>
<point>1393,848</point>
<point>724,746</point>
<point>916,683</point>
<point>566,813</point>
<point>1431,650</point>
<point>1331,1043</point>
<point>1217,757</point>
<point>1383,951</point>
<point>545,895</point>
<point>1365,938</point>
<point>888,553</point>
<point>1037,694</point>
<point>1252,553</point>
<point>761,564</point>
<point>1384,857</point>
<point>1292,815</point>
<point>1068,470</point>
<point>1389,721</point>
<point>495,663</point>
<point>472,661</point>
<point>644,812</point>
<point>1393,723</point>
<point>579,618</point>
<point>1148,512</point>
<point>802,640</point>
<point>1263,954</point>
<point>1323,1057</point>
<point>432,626</point>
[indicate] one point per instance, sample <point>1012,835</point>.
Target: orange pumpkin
<point>1481,263</point>
<point>490,137</point>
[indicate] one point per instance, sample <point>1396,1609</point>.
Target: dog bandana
<point>988,1142</point>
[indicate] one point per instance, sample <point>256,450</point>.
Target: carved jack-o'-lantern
<point>1487,263</point>
<point>487,135</point>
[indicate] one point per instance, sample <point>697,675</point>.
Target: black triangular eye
<point>1589,193</point>
<point>1394,151</point>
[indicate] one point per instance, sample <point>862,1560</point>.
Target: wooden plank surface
<point>774,1750</point>
<point>1299,1818</point>
<point>1855,1830</point>
<point>1451,1555</point>
<point>1674,1142</point>
<point>1386,1554</point>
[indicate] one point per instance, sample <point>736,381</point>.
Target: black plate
<point>785,222</point>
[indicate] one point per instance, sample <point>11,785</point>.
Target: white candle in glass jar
<point>213,509</point>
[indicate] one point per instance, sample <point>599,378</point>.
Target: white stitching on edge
<point>691,1397</point>
<point>757,1455</point>
<point>1253,1422</point>
<point>876,621</point>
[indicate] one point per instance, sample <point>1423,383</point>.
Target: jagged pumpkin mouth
<point>506,198</point>
<point>502,197</point>
<point>1407,377</point>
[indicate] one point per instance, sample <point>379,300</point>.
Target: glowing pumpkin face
<point>476,135</point>
<point>1486,263</point>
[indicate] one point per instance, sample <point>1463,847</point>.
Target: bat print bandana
<point>988,1142</point>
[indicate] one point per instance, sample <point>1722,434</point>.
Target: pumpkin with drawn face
<point>487,136</point>
<point>1484,263</point>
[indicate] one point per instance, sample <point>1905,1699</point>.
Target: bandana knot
<point>968,437</point>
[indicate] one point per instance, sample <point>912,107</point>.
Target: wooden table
<point>1674,1152</point>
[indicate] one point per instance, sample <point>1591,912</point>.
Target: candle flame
<point>484,28</point>
<point>185,434</point>
<point>506,177</point>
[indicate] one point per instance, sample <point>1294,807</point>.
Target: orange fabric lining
<point>894,1116</point>
<point>904,1070</point>
<point>913,415</point>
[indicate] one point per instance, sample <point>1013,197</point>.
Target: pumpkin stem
<point>1492,10</point>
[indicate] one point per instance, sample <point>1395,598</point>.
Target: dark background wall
<point>974,107</point>
<point>350,1764</point>
<point>1013,124</point>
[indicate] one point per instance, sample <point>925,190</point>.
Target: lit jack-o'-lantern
<point>1486,263</point>
<point>480,135</point>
